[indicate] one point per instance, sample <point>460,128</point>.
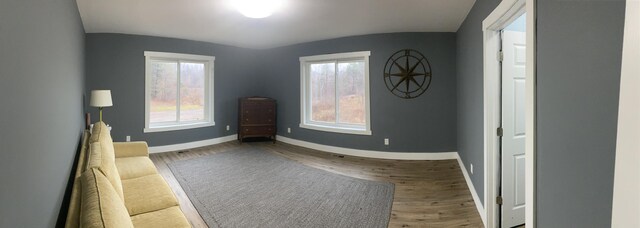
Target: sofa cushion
<point>147,193</point>
<point>131,149</point>
<point>169,217</point>
<point>100,132</point>
<point>102,156</point>
<point>101,205</point>
<point>134,167</point>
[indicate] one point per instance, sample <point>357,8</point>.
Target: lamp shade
<point>101,98</point>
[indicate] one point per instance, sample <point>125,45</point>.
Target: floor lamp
<point>101,99</point>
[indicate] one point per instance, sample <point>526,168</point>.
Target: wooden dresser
<point>256,117</point>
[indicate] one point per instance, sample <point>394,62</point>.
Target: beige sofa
<point>117,185</point>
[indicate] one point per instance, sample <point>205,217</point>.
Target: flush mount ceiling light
<point>257,8</point>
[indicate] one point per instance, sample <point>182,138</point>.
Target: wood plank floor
<point>427,193</point>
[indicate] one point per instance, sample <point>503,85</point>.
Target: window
<point>178,91</point>
<point>335,93</point>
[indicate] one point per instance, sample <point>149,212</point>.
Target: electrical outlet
<point>228,127</point>
<point>471,168</point>
<point>128,138</point>
<point>386,141</point>
<point>288,130</point>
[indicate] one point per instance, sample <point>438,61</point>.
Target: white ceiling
<point>297,21</point>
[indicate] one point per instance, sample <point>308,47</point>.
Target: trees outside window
<point>335,92</point>
<point>179,91</point>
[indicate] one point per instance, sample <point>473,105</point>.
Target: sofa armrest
<point>130,149</point>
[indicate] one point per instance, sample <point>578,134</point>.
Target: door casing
<point>505,13</point>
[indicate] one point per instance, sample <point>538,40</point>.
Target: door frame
<point>505,13</point>
<point>626,201</point>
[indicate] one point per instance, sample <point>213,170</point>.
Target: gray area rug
<point>255,188</point>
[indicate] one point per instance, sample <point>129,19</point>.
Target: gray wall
<point>427,123</point>
<point>116,62</point>
<point>579,50</point>
<point>578,77</point>
<point>41,90</point>
<point>470,92</point>
<point>423,124</point>
<point>579,46</point>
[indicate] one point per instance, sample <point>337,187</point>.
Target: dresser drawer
<point>259,130</point>
<point>257,119</point>
<point>260,113</point>
<point>264,106</point>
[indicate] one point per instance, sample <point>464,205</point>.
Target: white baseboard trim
<point>191,145</point>
<point>371,153</point>
<point>472,189</point>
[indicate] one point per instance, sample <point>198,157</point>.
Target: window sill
<point>178,127</point>
<point>344,130</point>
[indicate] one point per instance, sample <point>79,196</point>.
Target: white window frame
<point>208,109</point>
<point>305,105</point>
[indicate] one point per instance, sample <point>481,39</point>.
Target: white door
<point>513,124</point>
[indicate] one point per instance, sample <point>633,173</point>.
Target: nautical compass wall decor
<point>407,74</point>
